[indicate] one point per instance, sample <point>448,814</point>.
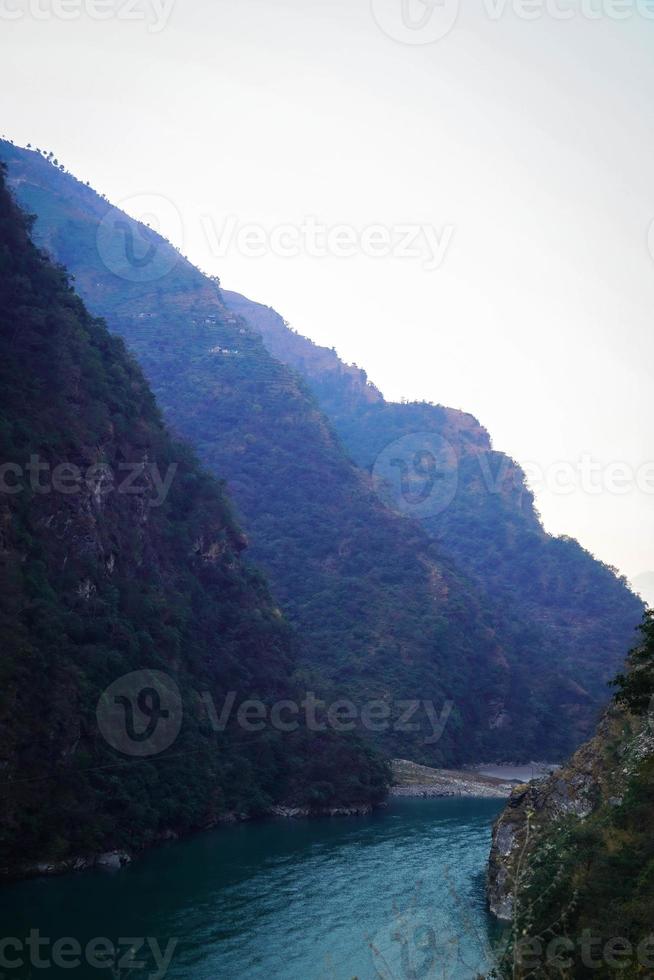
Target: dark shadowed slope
<point>104,572</point>
<point>380,608</point>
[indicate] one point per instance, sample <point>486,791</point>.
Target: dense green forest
<point>583,862</point>
<point>379,610</point>
<point>559,605</point>
<point>99,579</point>
<point>382,607</point>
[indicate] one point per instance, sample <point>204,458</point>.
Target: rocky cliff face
<point>596,774</point>
<point>571,858</point>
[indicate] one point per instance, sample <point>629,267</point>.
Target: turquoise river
<point>398,894</point>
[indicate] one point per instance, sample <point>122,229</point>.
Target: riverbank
<point>413,780</point>
<point>288,899</point>
<point>410,780</point>
<point>510,772</point>
<point>116,859</point>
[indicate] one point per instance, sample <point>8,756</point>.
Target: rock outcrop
<point>595,777</point>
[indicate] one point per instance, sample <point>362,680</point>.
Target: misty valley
<point>310,669</point>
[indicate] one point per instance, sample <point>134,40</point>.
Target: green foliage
<point>477,606</point>
<point>99,582</point>
<point>635,687</point>
<point>561,620</point>
<point>378,610</point>
<point>594,878</point>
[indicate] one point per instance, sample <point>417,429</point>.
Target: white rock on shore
<point>415,780</point>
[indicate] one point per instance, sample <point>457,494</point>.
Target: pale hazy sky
<point>525,146</point>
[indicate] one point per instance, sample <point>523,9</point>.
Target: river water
<point>398,895</point>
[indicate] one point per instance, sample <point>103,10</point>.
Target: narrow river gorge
<point>398,894</point>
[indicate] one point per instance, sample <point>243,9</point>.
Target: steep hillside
<point>376,609</point>
<point>119,555</point>
<point>565,606</point>
<point>382,611</point>
<point>572,861</point>
<point>644,586</point>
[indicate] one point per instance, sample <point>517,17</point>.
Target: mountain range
<point>405,551</point>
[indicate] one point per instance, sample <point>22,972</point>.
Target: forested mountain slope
<point>380,608</point>
<point>118,554</point>
<point>566,606</point>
